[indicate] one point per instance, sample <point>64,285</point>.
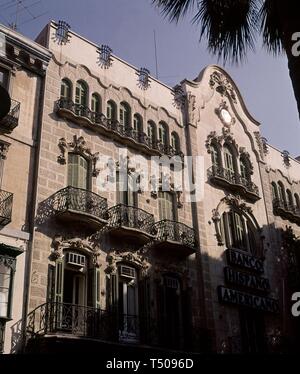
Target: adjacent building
<point>129,244</point>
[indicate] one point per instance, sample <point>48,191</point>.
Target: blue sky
<point>127,27</point>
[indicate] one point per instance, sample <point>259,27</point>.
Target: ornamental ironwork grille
<point>62,32</point>
<point>105,56</point>
<point>143,78</point>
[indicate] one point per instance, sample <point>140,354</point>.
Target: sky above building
<point>127,26</point>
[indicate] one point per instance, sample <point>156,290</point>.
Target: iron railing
<point>131,217</point>
<point>115,126</point>
<point>11,120</point>
<point>75,200</point>
<point>233,178</point>
<point>82,321</point>
<point>167,230</point>
<point>6,203</point>
<point>285,209</point>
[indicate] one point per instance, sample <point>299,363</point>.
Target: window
<point>151,132</point>
<point>175,142</point>
<point>124,115</point>
<point>111,110</point>
<point>244,170</point>
<point>137,125</point>
<point>126,191</point>
<point>297,201</point>
<point>96,103</point>
<point>274,191</point>
<point>215,155</point>
<point>78,171</point>
<point>65,89</point>
<point>290,199</point>
<point>163,133</point>
<point>81,95</point>
<point>166,206</point>
<point>239,232</point>
<point>228,162</point>
<point>4,77</point>
<point>5,275</point>
<point>281,192</point>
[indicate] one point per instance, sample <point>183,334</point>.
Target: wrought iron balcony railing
<point>11,120</point>
<point>75,200</point>
<point>167,230</point>
<point>130,217</point>
<point>230,178</point>
<point>6,203</point>
<point>289,211</point>
<point>99,119</point>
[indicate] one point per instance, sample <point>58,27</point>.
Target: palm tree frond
<point>174,9</point>
<point>229,26</point>
<point>270,27</point>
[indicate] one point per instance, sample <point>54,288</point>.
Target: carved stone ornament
<point>222,85</point>
<point>224,114</point>
<point>134,258</point>
<point>79,146</point>
<point>7,261</point>
<point>59,244</point>
<point>3,149</point>
<point>244,155</point>
<point>191,101</point>
<point>262,144</point>
<point>179,97</point>
<point>226,137</point>
<point>286,158</point>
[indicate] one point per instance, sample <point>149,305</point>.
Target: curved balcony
<point>174,237</point>
<point>233,181</point>
<point>11,120</point>
<point>286,211</point>
<point>83,116</point>
<point>130,222</point>
<point>74,204</point>
<point>6,203</point>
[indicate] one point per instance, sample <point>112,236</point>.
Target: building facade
<point>160,219</point>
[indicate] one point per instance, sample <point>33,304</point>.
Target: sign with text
<point>242,279</point>
<point>244,260</point>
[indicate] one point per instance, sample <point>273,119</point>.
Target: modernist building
<point>117,265</point>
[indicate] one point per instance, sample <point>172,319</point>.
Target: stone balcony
<point>286,211</point>
<point>224,178</point>
<point>6,203</point>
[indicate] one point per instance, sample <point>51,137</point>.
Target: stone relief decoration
<point>234,201</point>
<point>286,158</point>
<point>246,156</point>
<point>222,85</point>
<point>179,97</point>
<point>262,144</point>
<point>224,114</point>
<point>78,145</point>
<point>104,58</point>
<point>226,137</point>
<point>59,244</point>
<point>143,78</point>
<point>3,149</point>
<point>136,258</point>
<point>179,268</point>
<point>62,35</point>
<point>8,261</point>
<point>191,102</point>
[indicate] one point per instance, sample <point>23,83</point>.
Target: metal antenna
<point>155,51</point>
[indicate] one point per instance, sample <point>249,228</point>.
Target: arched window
<point>215,155</point>
<point>297,201</point>
<point>96,103</point>
<point>274,191</point>
<point>151,132</point>
<point>175,143</point>
<point>163,134</point>
<point>166,205</point>
<point>245,169</point>
<point>239,231</point>
<point>290,199</point>
<point>78,171</point>
<point>81,95</point>
<point>126,189</point>
<point>111,110</point>
<point>281,192</point>
<point>137,126</point>
<point>66,89</point>
<point>229,163</point>
<point>124,115</point>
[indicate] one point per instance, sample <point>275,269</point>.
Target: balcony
<point>233,181</point>
<point>130,222</point>
<point>286,211</point>
<point>11,120</point>
<point>74,204</point>
<point>6,203</point>
<point>174,237</point>
<point>83,116</point>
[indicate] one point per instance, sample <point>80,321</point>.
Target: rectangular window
<point>4,77</point>
<point>166,206</point>
<point>77,171</point>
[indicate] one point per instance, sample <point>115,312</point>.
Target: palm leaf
<point>270,27</point>
<point>174,9</point>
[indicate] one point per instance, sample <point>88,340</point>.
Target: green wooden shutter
<point>94,288</point>
<point>59,281</point>
<point>51,283</point>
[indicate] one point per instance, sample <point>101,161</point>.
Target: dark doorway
<point>252,331</point>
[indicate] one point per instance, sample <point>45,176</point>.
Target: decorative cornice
<point>262,144</point>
